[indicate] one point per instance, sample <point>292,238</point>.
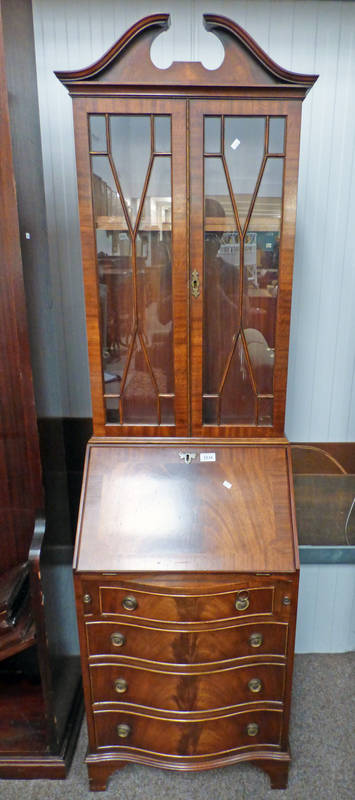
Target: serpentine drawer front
<point>186,545</point>
<point>191,608</point>
<point>183,646</point>
<point>217,687</point>
<point>184,667</point>
<point>210,735</point>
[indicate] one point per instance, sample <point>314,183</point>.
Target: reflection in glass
<point>139,403</point>
<point>212,134</point>
<point>135,271</point>
<point>244,150</point>
<point>154,275</point>
<point>162,134</point>
<point>98,132</point>
<point>115,276</point>
<point>238,399</point>
<point>217,199</point>
<point>106,199</point>
<point>265,414</point>
<point>276,134</point>
<point>116,305</point>
<point>261,275</point>
<point>221,275</point>
<point>131,147</point>
<point>167,410</point>
<point>210,410</point>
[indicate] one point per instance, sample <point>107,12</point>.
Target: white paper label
<point>227,484</point>
<point>207,456</point>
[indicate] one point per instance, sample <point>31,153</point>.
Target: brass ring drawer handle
<point>255,685</point>
<point>120,685</point>
<point>252,729</point>
<point>242,601</point>
<point>123,730</point>
<point>118,639</point>
<point>256,639</point>
<point>129,602</point>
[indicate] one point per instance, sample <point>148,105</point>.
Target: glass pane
<point>210,410</point>
<point>238,399</point>
<point>261,275</point>
<point>167,410</point>
<point>212,134</point>
<point>219,214</point>
<point>262,359</point>
<point>244,150</point>
<point>265,414</point>
<point>106,199</point>
<point>156,211</point>
<point>139,398</point>
<point>131,148</point>
<point>221,276</point>
<point>97,124</point>
<point>276,134</point>
<point>114,265</point>
<point>154,275</point>
<point>112,410</point>
<point>162,135</point>
<point>116,305</point>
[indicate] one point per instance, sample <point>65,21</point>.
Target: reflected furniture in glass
<point>186,564</point>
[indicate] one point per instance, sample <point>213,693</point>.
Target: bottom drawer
<point>115,730</point>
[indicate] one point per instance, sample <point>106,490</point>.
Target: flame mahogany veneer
<point>186,571</point>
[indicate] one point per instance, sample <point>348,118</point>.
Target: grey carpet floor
<point>322,740</point>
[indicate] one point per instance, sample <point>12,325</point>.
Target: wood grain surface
<point>217,688</point>
<point>146,509</point>
<point>185,646</point>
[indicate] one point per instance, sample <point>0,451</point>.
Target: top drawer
<point>186,608</point>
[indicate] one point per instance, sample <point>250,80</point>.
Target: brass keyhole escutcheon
<point>118,639</point>
<point>252,729</point>
<point>87,599</point>
<point>255,685</point>
<point>129,603</point>
<point>195,283</point>
<point>120,685</point>
<point>123,730</point>
<point>242,601</point>
<point>256,639</point>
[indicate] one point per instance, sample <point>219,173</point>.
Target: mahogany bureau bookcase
<point>186,566</point>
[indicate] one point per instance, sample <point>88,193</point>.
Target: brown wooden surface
<point>88,243</point>
<point>246,72</point>
<point>22,718</point>
<point>219,643</point>
<point>323,458</point>
<point>171,533</point>
<point>20,472</point>
<point>144,508</point>
<point>128,62</point>
<point>217,688</point>
<point>216,735</point>
<point>249,108</point>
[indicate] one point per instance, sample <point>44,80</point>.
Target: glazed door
<point>132,197</point>
<point>243,190</point>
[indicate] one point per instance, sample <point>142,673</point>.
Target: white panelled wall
<point>314,37</point>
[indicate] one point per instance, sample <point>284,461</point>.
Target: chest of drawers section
<point>185,671</point>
